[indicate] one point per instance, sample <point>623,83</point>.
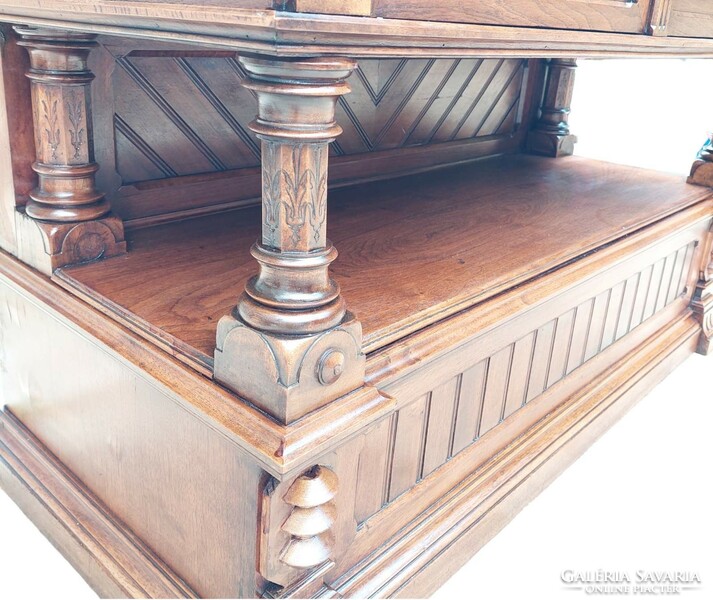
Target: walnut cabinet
<point>307,299</point>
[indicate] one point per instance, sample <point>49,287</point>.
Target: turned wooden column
<point>290,346</point>
<point>70,212</point>
<point>550,135</point>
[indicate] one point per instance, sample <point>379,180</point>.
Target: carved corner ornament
<point>298,523</point>
<point>289,376</point>
<point>702,303</point>
<point>48,246</point>
<point>313,513</point>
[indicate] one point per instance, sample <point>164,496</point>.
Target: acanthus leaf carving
<point>318,214</point>
<point>49,108</point>
<point>270,194</point>
<point>299,188</point>
<point>76,131</point>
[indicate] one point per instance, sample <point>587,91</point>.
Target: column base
<point>701,173</point>
<point>48,246</point>
<point>289,376</point>
<point>551,144</point>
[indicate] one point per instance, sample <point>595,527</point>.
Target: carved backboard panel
<point>183,113</point>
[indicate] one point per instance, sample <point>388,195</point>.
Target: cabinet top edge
<point>280,33</point>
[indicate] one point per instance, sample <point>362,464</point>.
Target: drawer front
<point>590,15</point>
<point>690,18</point>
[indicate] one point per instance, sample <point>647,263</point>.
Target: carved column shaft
<point>293,293</point>
<point>550,135</point>
<point>72,219</point>
<point>291,313</point>
<point>62,119</point>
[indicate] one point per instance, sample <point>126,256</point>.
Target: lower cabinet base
<point>106,553</point>
<point>412,563</point>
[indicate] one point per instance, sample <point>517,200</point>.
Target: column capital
<point>296,97</point>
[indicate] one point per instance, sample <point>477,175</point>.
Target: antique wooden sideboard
<point>191,412</point>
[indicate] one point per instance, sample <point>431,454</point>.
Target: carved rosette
<point>290,345</point>
<point>311,540</point>
<point>550,135</point>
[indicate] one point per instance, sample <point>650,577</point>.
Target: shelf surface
<point>413,250</point>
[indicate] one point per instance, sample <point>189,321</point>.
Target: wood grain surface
<point>690,18</point>
<point>185,113</point>
<point>440,419</point>
<point>597,15</point>
<point>463,234</point>
<point>555,28</point>
<point>161,470</point>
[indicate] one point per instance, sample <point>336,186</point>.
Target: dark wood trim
<point>659,14</point>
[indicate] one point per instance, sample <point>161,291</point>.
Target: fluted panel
<point>441,422</point>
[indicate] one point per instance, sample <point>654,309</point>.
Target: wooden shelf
<point>412,251</point>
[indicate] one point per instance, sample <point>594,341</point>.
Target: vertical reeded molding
<point>702,303</point>
<point>289,345</point>
<point>550,136</point>
<point>72,215</point>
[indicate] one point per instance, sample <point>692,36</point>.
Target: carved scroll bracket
<point>550,135</point>
<point>702,303</point>
<point>290,346</point>
<point>66,194</point>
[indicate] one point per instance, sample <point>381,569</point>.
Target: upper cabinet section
<point>620,16</point>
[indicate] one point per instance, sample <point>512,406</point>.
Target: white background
<point>641,497</point>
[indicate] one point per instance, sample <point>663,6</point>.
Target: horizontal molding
<point>153,202</point>
<point>106,554</point>
<point>288,34</point>
<point>486,498</point>
<point>440,414</point>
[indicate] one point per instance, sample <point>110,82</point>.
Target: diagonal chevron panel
<point>183,113</point>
